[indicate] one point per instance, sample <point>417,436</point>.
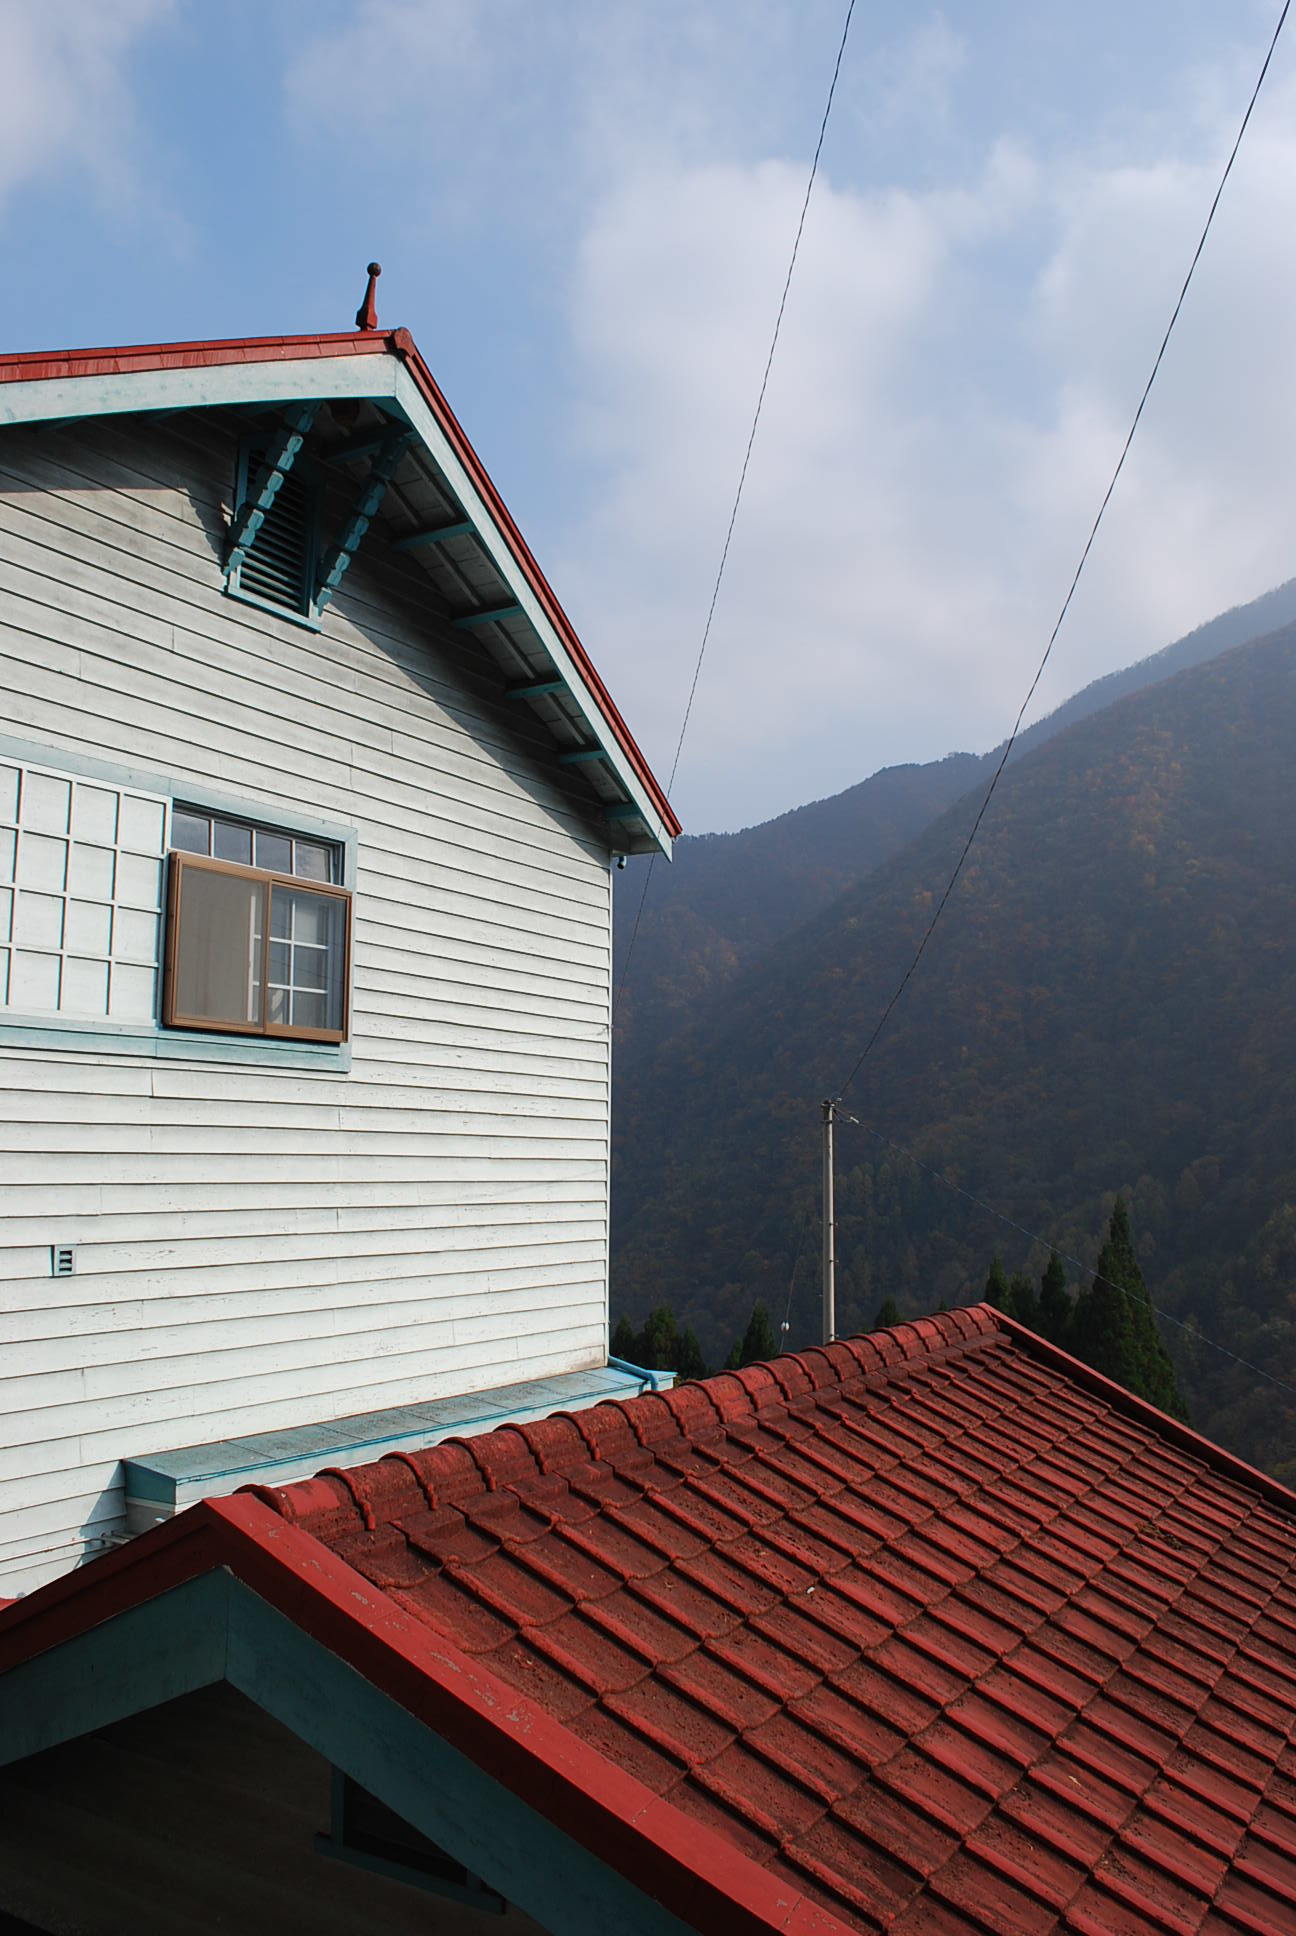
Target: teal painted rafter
<point>624,810</point>
<point>372,492</point>
<point>583,756</point>
<point>462,528</point>
<point>498,612</point>
<point>280,459</point>
<point>536,689</point>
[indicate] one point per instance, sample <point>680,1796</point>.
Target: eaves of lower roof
<point>40,366</point>
<point>677,1862</point>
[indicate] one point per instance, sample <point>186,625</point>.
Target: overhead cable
<point>950,885</point>
<point>742,476</point>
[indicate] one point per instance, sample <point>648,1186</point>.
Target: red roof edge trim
<point>404,346</point>
<point>691,1870</point>
<point>1173,1430</point>
<point>42,366</point>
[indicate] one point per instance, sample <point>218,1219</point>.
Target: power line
<point>908,975</point>
<point>971,1197</point>
<point>742,475</point>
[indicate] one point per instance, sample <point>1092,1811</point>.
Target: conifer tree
<point>1054,1304</point>
<point>623,1340</point>
<point>658,1342</point>
<point>689,1362</point>
<point>757,1342</point>
<point>888,1314</point>
<point>996,1284</point>
<point>1022,1302</point>
<point>1113,1327</point>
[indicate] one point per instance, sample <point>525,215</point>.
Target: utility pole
<point>829,1226</point>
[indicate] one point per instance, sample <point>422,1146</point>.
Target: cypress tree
<point>689,1362</point>
<point>1113,1327</point>
<point>888,1314</point>
<point>1022,1302</point>
<point>658,1342</point>
<point>758,1341</point>
<point>996,1284</point>
<point>623,1340</point>
<point>1054,1304</point>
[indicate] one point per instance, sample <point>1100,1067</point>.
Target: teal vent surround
<point>277,564</point>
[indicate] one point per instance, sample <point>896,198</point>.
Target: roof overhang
<point>384,369</point>
<point>231,1592</point>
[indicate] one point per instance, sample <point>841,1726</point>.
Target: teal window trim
<point>69,1037</point>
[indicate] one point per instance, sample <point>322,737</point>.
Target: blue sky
<point>584,209</point>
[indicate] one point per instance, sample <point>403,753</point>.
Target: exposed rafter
<point>279,460</point>
<point>492,617</point>
<point>535,689</point>
<point>582,756</point>
<point>462,528</point>
<point>372,492</point>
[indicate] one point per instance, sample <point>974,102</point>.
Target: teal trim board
<point>159,1484</point>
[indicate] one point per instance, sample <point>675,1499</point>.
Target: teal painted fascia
<point>215,1628</point>
<point>156,1651</point>
<point>430,1784</point>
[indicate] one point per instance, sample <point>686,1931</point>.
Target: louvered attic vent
<point>278,567</point>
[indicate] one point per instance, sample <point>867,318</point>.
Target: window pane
<point>89,927</point>
<point>191,832</point>
<point>232,842</point>
<point>42,862</point>
<point>217,962</point>
<point>34,982</point>
<point>313,860</point>
<point>309,948</point>
<point>274,851</point>
<point>85,988</point>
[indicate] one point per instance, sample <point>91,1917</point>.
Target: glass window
<point>255,950</point>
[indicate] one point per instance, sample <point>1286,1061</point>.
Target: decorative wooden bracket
<point>372,493</point>
<point>279,461</point>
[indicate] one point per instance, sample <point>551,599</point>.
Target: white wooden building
<point>308,801</point>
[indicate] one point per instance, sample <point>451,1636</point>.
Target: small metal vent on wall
<point>62,1260</point>
<point>278,566</point>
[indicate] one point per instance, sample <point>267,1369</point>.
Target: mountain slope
<point>1109,1004</point>
<point>729,897</point>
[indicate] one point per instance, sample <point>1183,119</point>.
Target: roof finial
<point>367,314</point>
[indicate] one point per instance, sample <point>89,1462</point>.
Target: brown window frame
<point>178,864</point>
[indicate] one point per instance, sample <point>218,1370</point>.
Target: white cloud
<point>957,373</point>
<point>64,102</point>
<point>994,245</point>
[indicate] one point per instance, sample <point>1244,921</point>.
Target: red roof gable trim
<point>42,366</point>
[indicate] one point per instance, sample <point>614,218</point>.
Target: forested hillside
<point>1109,1006</point>
<point>726,898</point>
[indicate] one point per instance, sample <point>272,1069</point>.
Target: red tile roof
<point>939,1629</point>
<point>35,366</point>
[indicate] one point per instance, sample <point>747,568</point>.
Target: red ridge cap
<point>42,365</point>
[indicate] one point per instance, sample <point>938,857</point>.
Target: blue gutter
<point>650,1378</point>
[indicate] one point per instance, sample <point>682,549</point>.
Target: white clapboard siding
<point>262,1247</point>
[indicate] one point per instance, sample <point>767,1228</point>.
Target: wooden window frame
<point>178,864</point>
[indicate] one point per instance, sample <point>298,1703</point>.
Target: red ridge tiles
<point>944,1631</point>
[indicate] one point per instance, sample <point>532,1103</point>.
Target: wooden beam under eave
<point>536,689</point>
<point>583,755</point>
<point>468,619</point>
<point>437,534</point>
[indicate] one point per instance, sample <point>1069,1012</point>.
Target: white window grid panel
<point>81,887</point>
